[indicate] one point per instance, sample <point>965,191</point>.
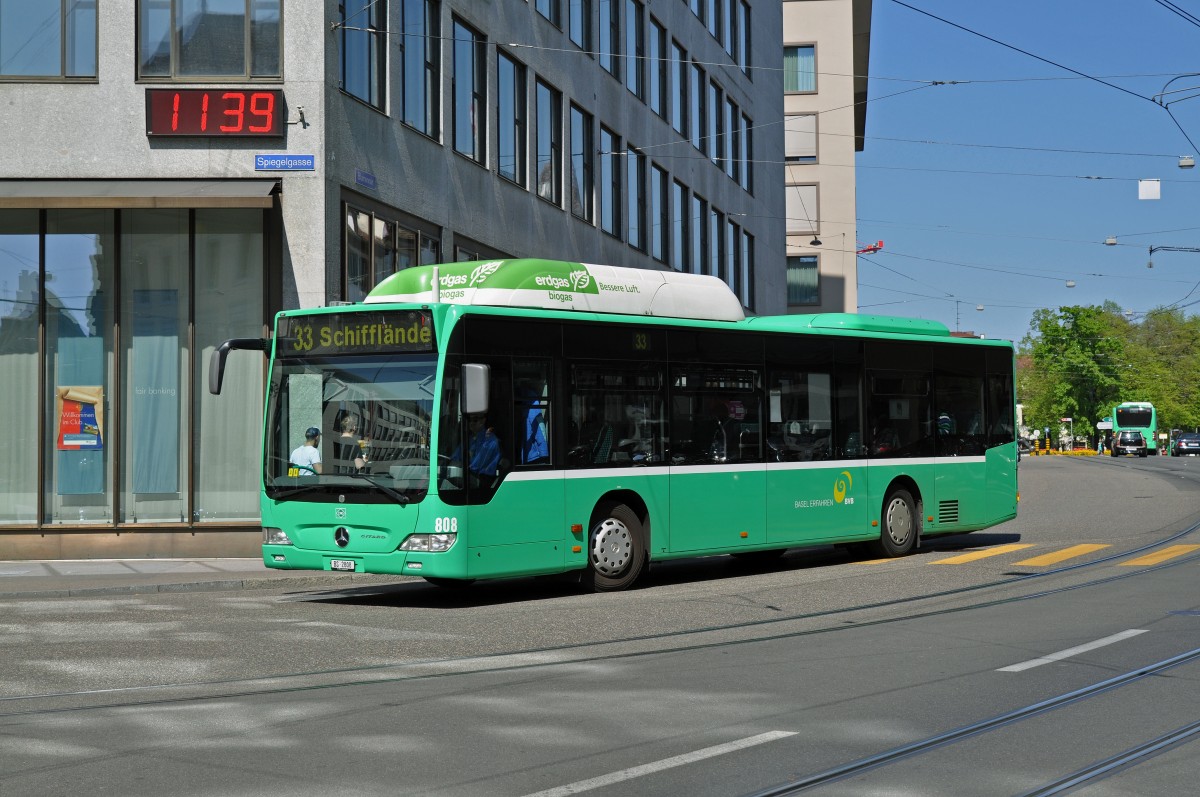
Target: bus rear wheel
<point>616,550</point>
<point>900,525</point>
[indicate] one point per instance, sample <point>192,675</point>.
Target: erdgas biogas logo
<point>580,279</point>
<point>842,484</point>
<point>483,271</point>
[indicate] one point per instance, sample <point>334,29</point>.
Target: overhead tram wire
<point>1014,48</point>
<point>1185,14</point>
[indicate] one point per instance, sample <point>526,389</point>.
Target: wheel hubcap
<point>899,521</point>
<point>612,547</point>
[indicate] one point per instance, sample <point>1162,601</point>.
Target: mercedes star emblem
<point>341,537</point>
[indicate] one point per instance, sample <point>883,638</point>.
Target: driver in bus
<point>307,457</point>
<point>483,449</point>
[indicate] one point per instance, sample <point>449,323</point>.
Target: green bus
<point>1138,416</point>
<point>527,417</point>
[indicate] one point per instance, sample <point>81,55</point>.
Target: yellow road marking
<point>1058,556</point>
<point>1161,556</point>
<point>974,555</point>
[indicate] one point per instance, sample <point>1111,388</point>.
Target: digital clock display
<point>214,112</point>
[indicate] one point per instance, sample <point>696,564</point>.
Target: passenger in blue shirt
<point>535,449</point>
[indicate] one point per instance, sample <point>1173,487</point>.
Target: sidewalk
<point>85,577</point>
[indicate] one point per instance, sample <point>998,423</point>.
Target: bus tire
<point>900,524</point>
<point>616,550</point>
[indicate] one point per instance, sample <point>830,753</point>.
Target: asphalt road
<point>948,672</point>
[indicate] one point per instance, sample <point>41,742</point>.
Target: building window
<point>635,46</point>
<point>364,50</point>
<point>679,104</point>
<point>234,40</point>
<point>743,58</point>
<point>419,58</point>
<point>610,182</point>
<point>733,140</point>
<point>510,119</point>
<point>800,138</point>
<point>747,281</point>
<point>377,245</point>
<point>659,213</point>
<point>610,37</point>
<point>696,84</point>
<point>716,243</point>
<point>48,39</point>
<point>470,92</point>
<point>800,68</point>
<point>551,10</point>
<point>679,236</point>
<point>548,107</point>
<point>745,153</point>
<point>733,254</point>
<point>698,224</point>
<point>714,122</point>
<point>580,23</point>
<point>582,163</point>
<point>714,9</point>
<point>173,453</point>
<point>657,68</point>
<point>803,284</point>
<point>637,199</point>
<point>801,204</point>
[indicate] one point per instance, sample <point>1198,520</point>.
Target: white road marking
<point>658,766</point>
<point>1069,652</point>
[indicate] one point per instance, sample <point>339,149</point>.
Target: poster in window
<point>80,413</point>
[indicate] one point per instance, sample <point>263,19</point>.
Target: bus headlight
<point>433,543</point>
<point>275,537</point>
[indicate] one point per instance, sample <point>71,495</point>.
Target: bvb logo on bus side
<point>841,486</point>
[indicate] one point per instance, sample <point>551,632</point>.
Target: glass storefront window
<point>228,427</point>
<point>79,312</point>
<point>155,356</point>
<point>19,301</point>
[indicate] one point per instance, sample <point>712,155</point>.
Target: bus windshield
<point>368,419</point>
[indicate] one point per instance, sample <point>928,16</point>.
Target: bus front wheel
<point>900,524</point>
<point>616,550</point>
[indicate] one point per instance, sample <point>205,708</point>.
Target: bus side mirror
<point>476,379</point>
<point>216,362</point>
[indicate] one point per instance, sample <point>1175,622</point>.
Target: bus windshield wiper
<point>400,499</point>
<point>304,488</point>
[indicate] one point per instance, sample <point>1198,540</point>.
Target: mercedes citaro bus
<point>524,417</point>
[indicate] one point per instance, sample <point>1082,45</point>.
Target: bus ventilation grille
<point>947,511</point>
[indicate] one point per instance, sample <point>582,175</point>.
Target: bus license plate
<point>341,564</point>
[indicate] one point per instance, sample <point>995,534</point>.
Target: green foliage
<point>1080,362</point>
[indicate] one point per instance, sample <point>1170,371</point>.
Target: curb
<point>221,585</point>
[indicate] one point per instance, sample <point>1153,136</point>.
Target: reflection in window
<point>610,182</point>
<point>419,58</point>
<point>20,298</point>
<point>548,106</point>
<point>657,68</point>
<point>637,198</point>
<point>470,92</point>
<point>235,39</point>
<point>51,38</point>
<point>716,243</point>
<point>610,36</point>
<point>375,247</point>
<point>580,23</point>
<point>679,103</point>
<point>510,113</point>
<point>679,239</point>
<point>659,213</point>
<point>698,224</point>
<point>696,83</point>
<point>364,50</point>
<point>635,71</point>
<point>550,9</point>
<point>581,163</point>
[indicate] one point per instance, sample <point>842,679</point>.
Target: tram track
<point>1092,772</point>
<point>573,653</point>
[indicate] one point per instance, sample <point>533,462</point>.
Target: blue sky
<point>1007,228</point>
